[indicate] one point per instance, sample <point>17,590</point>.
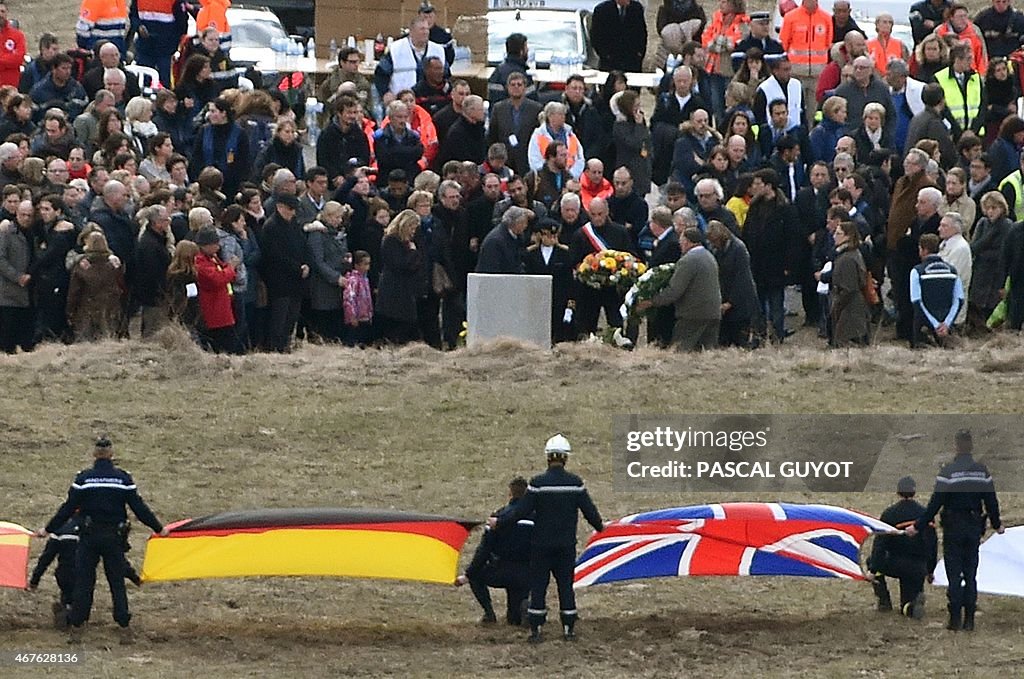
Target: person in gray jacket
<point>695,291</point>
<point>16,323</point>
<point>329,259</point>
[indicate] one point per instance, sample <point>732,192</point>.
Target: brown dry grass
<point>419,430</point>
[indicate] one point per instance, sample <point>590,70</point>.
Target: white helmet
<point>557,445</point>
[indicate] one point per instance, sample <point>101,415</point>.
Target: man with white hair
<point>10,164</point>
<point>402,66</point>
<point>502,248</point>
<point>115,82</point>
<point>695,293</point>
<point>283,182</point>
<point>710,195</point>
<point>600,233</point>
<point>955,250</point>
<point>113,217</point>
<point>905,258</point>
<point>865,88</point>
<point>109,57</point>
<point>465,139</point>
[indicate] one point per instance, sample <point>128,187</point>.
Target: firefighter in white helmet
<point>555,498</point>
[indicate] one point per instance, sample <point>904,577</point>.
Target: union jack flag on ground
<point>737,538</point>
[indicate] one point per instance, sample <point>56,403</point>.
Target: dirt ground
<point>418,430</point>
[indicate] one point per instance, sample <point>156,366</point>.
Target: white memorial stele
<point>508,305</point>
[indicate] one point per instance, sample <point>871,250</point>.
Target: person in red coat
<point>214,278</point>
<point>12,50</point>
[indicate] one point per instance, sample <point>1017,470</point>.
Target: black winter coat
<point>284,252</point>
<point>149,277</point>
<point>768,233</point>
<point>400,280</point>
<point>464,141</point>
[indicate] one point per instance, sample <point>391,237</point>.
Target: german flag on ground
<point>14,541</point>
<point>360,543</point>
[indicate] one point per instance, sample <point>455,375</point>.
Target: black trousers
<point>960,551</point>
<point>545,562</point>
<point>17,329</point>
<point>108,545</point>
<point>427,310</point>
<point>590,301</point>
<point>911,574</point>
<point>64,574</point>
<point>284,313</point>
<point>510,576</point>
<point>734,332</point>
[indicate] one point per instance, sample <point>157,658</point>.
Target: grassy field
<point>414,429</point>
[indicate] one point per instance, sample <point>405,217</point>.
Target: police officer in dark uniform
<point>554,498</point>
<point>502,560</point>
<point>910,559</point>
<point>100,494</point>
<point>961,488</point>
<point>62,545</point>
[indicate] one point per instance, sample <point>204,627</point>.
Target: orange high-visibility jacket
<point>735,32</point>
<point>882,54</point>
<point>807,37</point>
<point>970,34</point>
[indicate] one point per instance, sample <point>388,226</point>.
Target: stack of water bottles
<point>313,109</point>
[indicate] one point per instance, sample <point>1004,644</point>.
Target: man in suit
<point>660,244</point>
<point>513,121</point>
<point>787,162</point>
<point>502,249</point>
<point>778,127</point>
<point>670,111</point>
<point>619,35</point>
<point>599,234</point>
<point>551,258</point>
<point>812,203</point>
<point>695,292</point>
<point>739,294</point>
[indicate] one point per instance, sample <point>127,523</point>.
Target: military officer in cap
<point>961,488</point>
<point>100,494</point>
<point>910,559</point>
<point>554,498</point>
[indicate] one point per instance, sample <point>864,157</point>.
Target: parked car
<point>550,33</point>
<point>253,30</point>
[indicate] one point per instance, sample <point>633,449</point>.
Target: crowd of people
<point>820,160</point>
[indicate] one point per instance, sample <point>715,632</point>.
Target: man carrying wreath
<point>600,233</point>
<point>695,292</point>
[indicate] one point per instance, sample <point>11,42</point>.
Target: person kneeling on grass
<point>503,560</point>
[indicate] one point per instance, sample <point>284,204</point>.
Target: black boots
<point>535,637</point>
<point>968,619</point>
<point>954,624</point>
<point>882,594</point>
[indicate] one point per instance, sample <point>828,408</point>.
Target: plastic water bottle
<point>350,41</point>
<point>311,48</point>
<point>333,50</point>
<point>313,107</point>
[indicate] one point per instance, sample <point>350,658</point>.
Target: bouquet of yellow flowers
<point>610,269</point>
<point>646,287</point>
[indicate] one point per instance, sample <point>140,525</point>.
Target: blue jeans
<point>773,308</point>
